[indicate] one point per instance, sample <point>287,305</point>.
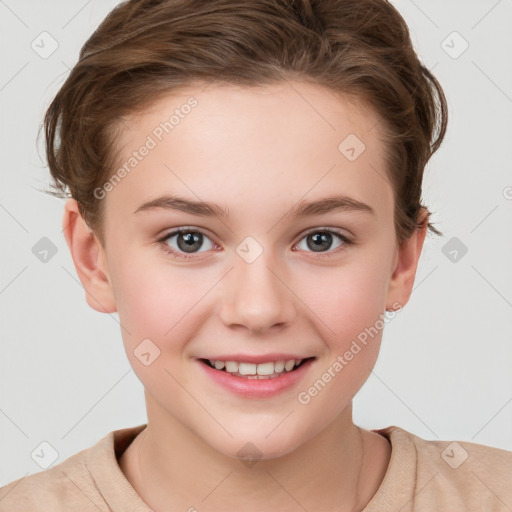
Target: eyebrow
<point>303,209</point>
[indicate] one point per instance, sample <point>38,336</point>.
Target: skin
<point>258,152</point>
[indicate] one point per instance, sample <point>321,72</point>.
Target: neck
<point>338,469</point>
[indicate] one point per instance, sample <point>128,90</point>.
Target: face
<point>261,282</point>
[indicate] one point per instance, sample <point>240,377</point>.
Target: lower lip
<point>257,388</point>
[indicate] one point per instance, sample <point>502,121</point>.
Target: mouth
<point>256,377</point>
<point>257,371</point>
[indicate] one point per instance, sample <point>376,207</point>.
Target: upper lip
<point>255,358</point>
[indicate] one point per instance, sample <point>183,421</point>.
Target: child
<point>210,149</point>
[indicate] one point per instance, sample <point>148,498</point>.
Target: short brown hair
<point>146,48</point>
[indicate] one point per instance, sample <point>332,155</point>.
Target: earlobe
<point>402,280</point>
<point>88,257</point>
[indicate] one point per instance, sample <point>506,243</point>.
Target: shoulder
<point>459,475</point>
<point>66,486</point>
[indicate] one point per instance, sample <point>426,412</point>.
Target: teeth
<point>231,366</point>
<point>263,369</point>
<point>246,368</point>
<point>289,365</point>
<point>218,365</point>
<point>279,366</point>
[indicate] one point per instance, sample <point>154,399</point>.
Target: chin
<point>251,445</point>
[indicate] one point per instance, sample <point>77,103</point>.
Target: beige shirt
<point>422,476</point>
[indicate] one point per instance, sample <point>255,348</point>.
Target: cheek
<point>345,300</point>
<point>350,318</point>
<point>162,303</point>
<point>143,307</point>
<point>153,302</point>
<point>156,311</point>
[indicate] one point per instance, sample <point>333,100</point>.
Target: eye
<point>186,242</point>
<point>321,241</point>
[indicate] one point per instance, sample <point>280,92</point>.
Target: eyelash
<point>162,241</point>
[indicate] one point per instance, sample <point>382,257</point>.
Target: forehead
<point>234,145</point>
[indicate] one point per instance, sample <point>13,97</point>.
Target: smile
<point>256,380</point>
<point>268,370</point>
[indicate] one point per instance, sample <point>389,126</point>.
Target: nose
<point>257,295</point>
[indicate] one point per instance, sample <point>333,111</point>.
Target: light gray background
<point>444,367</point>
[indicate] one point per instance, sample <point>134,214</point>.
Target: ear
<point>406,262</point>
<point>89,258</point>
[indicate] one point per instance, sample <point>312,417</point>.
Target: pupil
<point>190,239</point>
<point>319,239</point>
